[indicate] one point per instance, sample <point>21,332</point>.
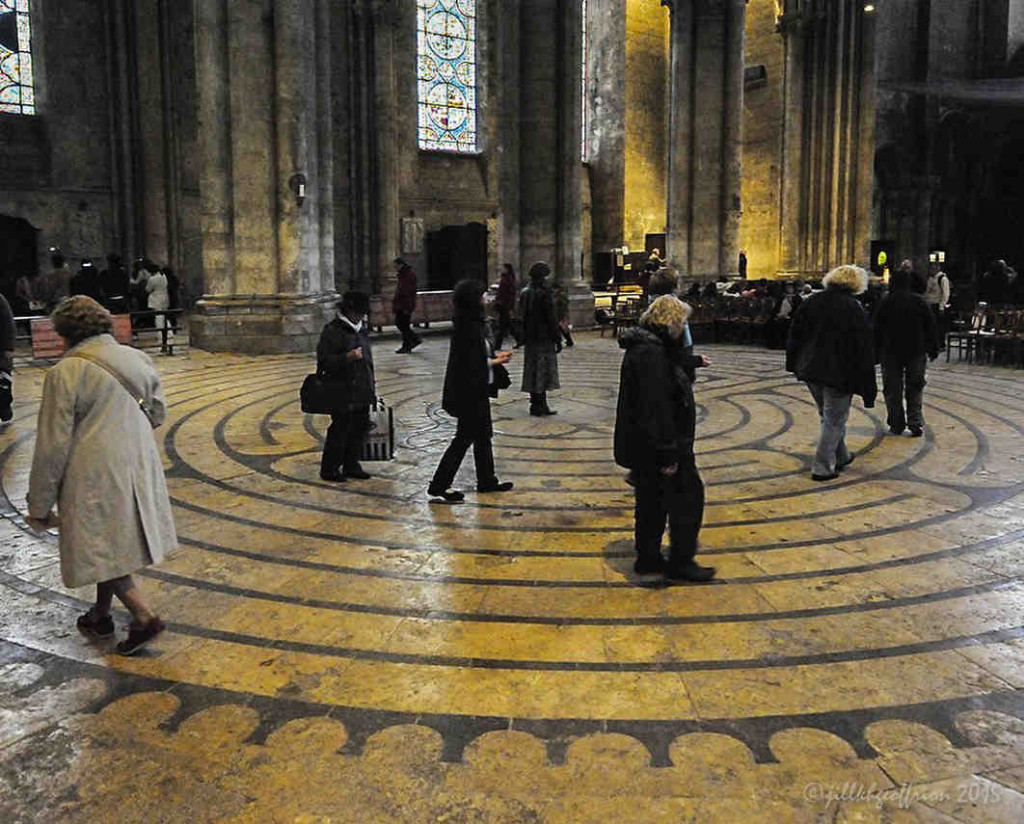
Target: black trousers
<point>468,433</point>
<point>344,439</point>
<point>403,320</point>
<point>504,327</point>
<point>677,499</point>
<point>904,379</point>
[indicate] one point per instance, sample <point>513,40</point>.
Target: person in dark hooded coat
<point>655,428</point>
<point>905,334</point>
<point>468,386</point>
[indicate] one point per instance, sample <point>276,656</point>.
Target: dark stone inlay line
<point>470,662</point>
<point>554,620</point>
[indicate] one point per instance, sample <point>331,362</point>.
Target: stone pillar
<point>550,183</point>
<point>828,149</point>
<point>607,118</point>
<point>267,192</point>
<point>790,220</point>
<point>705,122</point>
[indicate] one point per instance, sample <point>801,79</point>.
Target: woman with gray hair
<point>97,461</point>
<point>830,348</point>
<point>655,428</point>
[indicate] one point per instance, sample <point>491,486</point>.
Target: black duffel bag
<point>320,395</point>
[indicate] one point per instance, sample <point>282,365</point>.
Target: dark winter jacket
<point>506,297</point>
<point>537,312</point>
<point>405,292</point>
<point>7,330</point>
<point>467,377</point>
<point>904,328</point>
<point>656,417</point>
<point>830,343</point>
<point>355,378</point>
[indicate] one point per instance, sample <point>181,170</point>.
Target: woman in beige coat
<point>97,461</point>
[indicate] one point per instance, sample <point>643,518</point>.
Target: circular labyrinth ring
<point>893,588</point>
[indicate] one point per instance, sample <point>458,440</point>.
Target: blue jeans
<point>834,409</point>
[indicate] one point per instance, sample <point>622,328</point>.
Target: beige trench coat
<point>97,460</point>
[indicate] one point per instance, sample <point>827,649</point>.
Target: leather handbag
<point>502,380</point>
<point>319,395</point>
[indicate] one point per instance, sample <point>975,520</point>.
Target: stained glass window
<point>446,47</point>
<point>17,93</point>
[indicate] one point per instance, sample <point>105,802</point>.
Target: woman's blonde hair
<point>667,312</point>
<point>80,317</point>
<point>849,277</point>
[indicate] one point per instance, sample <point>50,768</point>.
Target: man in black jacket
<point>344,356</point>
<point>830,349</point>
<point>655,425</point>
<point>905,333</point>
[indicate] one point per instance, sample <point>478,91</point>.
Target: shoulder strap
<point>137,396</point>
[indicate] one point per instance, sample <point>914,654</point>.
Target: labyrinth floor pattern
<point>355,654</point>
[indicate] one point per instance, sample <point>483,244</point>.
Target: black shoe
<point>333,477</point>
<point>138,637</point>
<point>502,486</point>
<point>916,432</point>
<point>690,571</point>
<point>655,565</point>
<point>452,496</point>
<point>894,431</point>
<point>89,624</point>
<point>356,473</point>
<point>405,350</point>
<point>831,477</point>
<point>537,412</point>
<point>6,414</point>
<point>548,411</point>
<point>844,464</point>
<point>419,342</point>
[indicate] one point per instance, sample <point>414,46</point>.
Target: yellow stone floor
<point>354,653</point>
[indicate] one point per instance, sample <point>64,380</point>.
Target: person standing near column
<point>403,305</point>
<point>97,462</point>
<point>543,339</point>
<point>505,303</point>
<point>830,349</point>
<point>468,383</point>
<point>904,335</point>
<point>344,357</point>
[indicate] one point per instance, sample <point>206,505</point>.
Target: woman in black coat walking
<point>343,355</point>
<point>655,426</point>
<point>468,387</point>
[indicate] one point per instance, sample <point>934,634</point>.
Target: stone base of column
<point>260,324</point>
<point>581,304</point>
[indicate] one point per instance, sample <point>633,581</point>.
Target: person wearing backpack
<point>936,295</point>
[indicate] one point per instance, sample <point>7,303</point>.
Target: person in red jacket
<point>404,304</point>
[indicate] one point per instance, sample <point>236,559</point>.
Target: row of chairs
<point>987,335</point>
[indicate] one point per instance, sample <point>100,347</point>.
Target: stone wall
<point>56,166</point>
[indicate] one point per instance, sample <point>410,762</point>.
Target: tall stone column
<point>266,189</point>
<point>550,162</point>
<point>828,150</point>
<point>705,122</point>
<point>791,26</point>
